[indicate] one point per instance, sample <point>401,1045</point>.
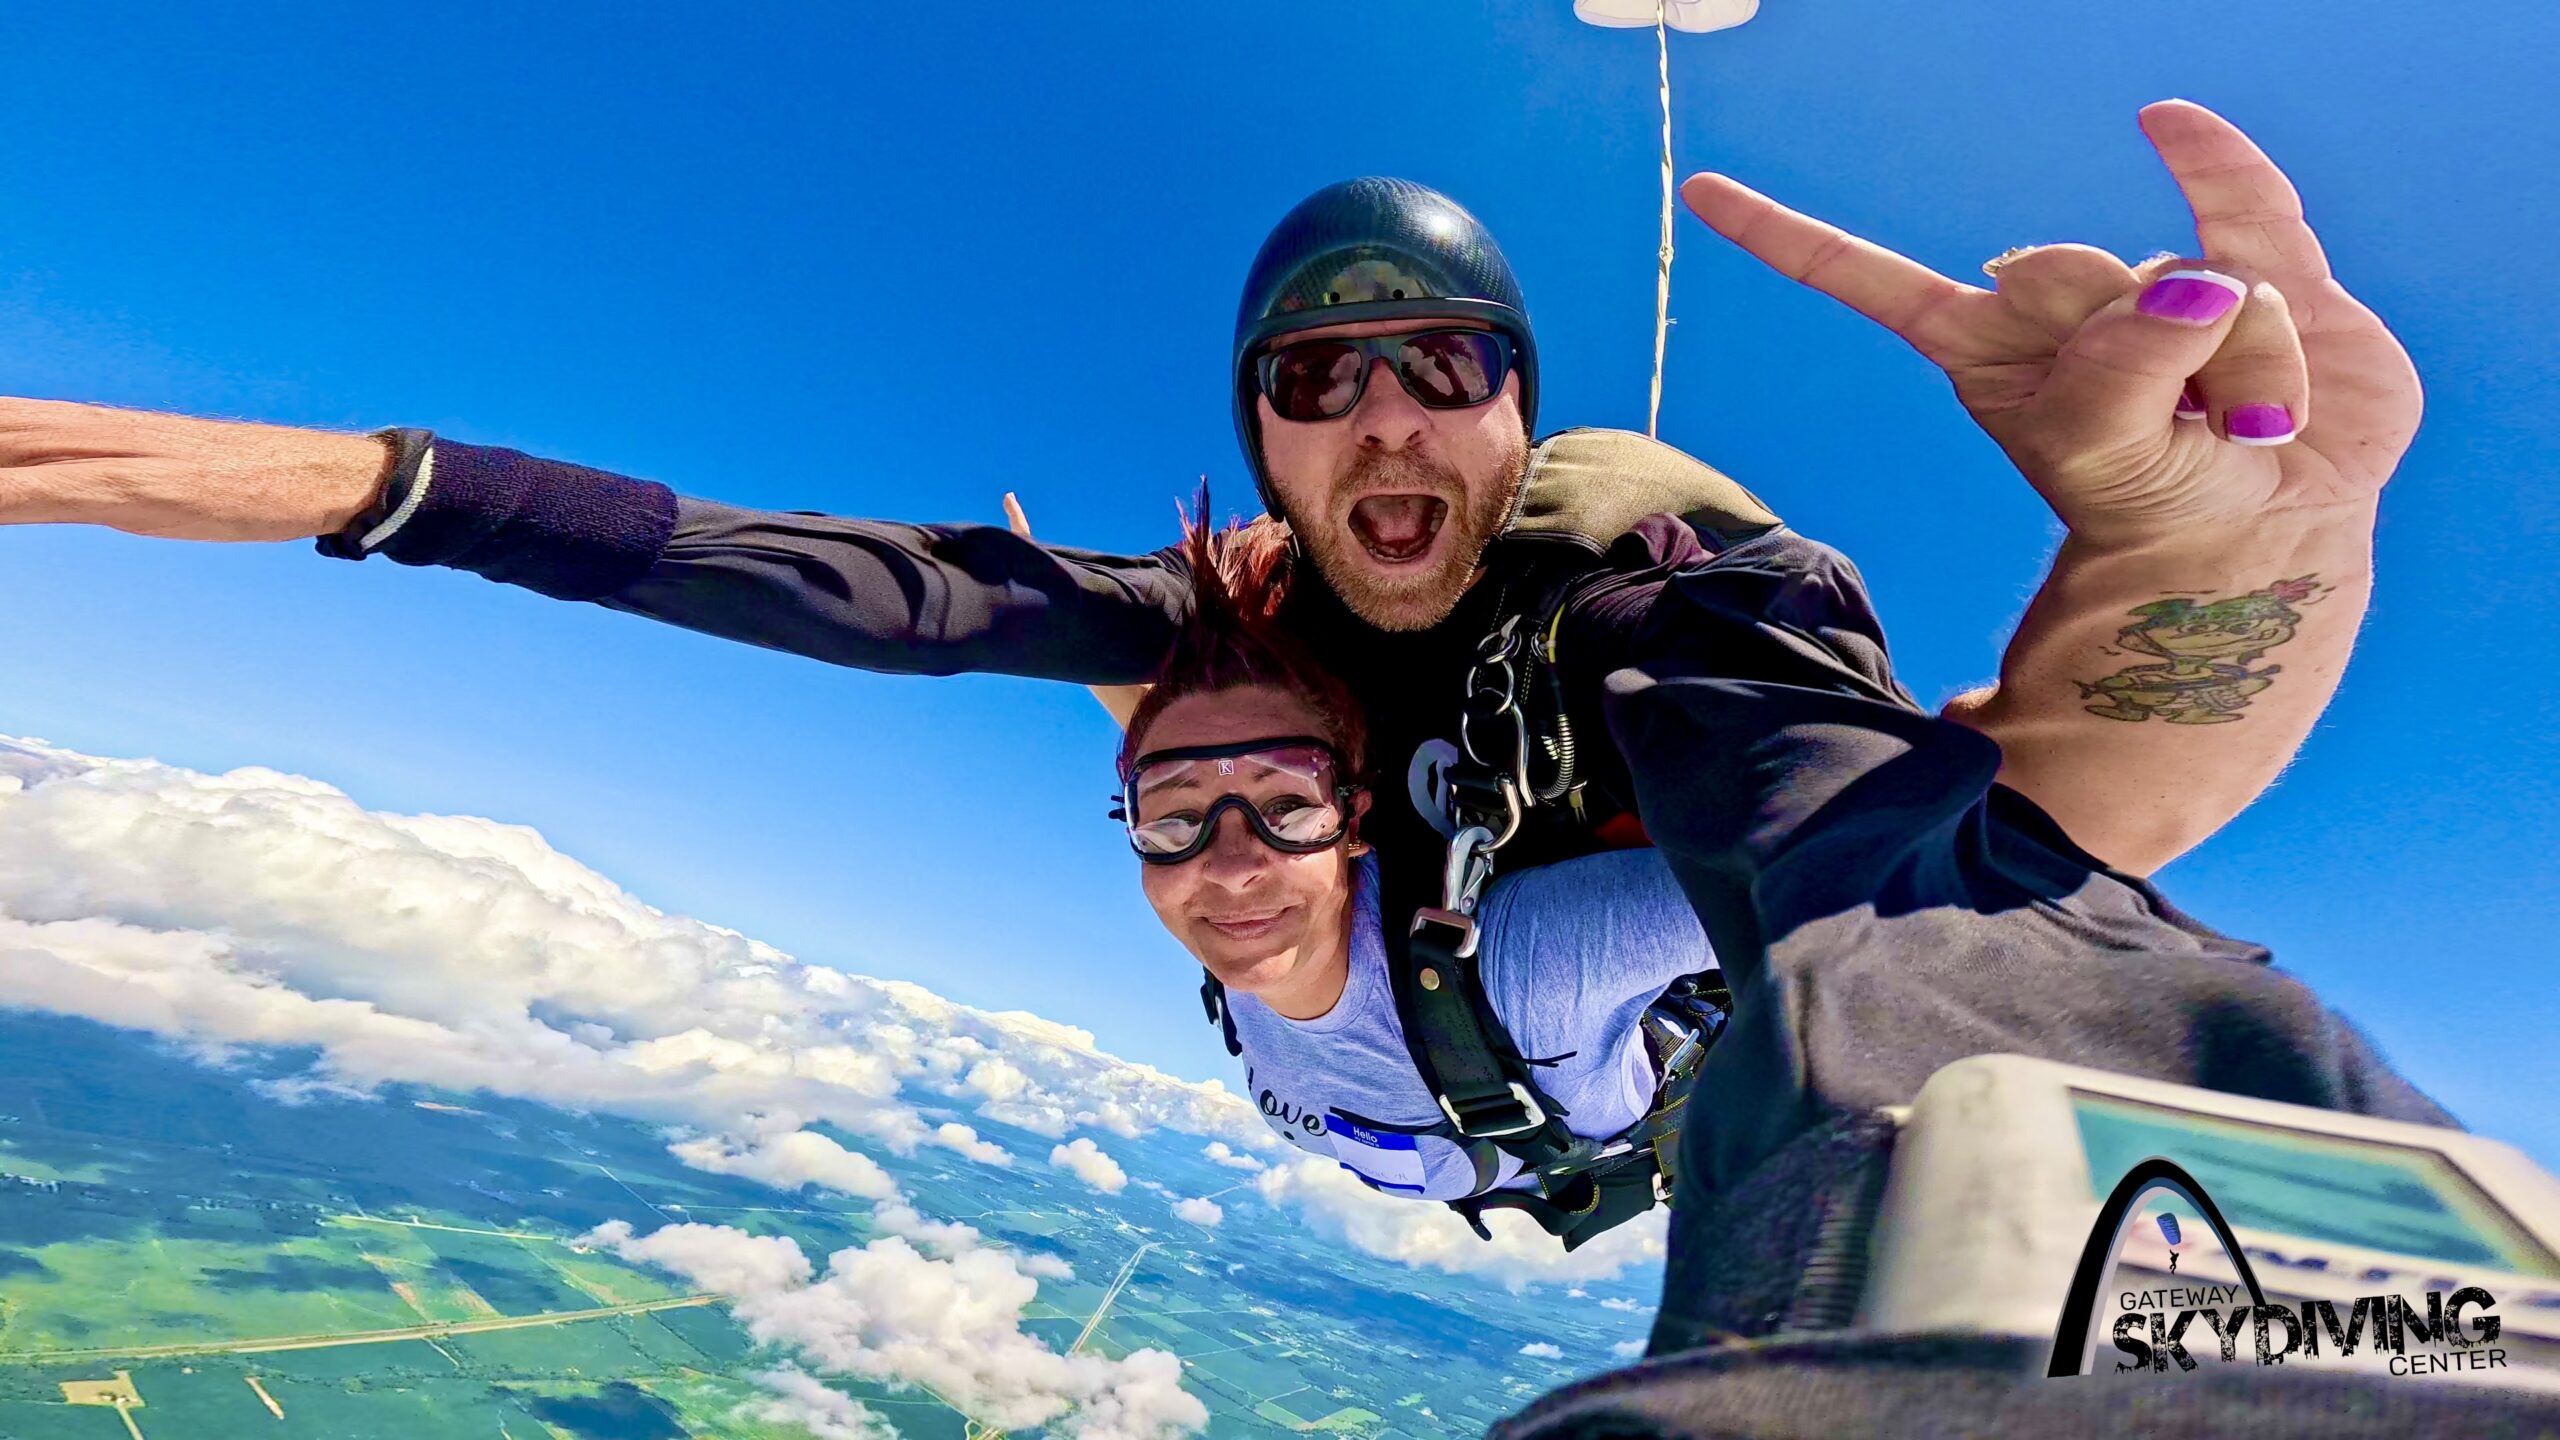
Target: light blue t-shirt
<point>1571,955</point>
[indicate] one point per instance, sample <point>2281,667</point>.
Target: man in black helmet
<point>1711,679</point>
<point>1396,522</point>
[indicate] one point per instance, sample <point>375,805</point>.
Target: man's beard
<point>1424,598</point>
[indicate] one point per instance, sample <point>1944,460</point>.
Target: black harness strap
<point>1459,1046</point>
<point>1213,998</point>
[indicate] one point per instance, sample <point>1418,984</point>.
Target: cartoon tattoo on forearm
<point>2205,650</point>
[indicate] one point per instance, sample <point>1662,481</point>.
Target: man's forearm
<point>2154,690</point>
<point>178,477</point>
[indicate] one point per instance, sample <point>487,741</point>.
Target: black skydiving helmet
<point>1374,249</point>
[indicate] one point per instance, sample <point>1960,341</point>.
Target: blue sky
<point>792,256</point>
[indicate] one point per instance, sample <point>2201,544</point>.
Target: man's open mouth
<point>1395,529</point>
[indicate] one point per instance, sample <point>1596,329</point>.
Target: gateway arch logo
<point>2075,1339</point>
<point>2157,1328</point>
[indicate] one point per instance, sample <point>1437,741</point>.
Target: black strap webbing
<point>1458,1045</point>
<point>1213,998</point>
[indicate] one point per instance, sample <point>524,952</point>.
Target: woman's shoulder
<point>1617,874</point>
<point>1619,913</point>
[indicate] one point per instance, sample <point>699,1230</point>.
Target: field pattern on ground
<point>404,1267</point>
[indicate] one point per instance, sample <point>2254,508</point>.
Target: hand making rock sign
<point>2138,400</point>
<point>2214,429</point>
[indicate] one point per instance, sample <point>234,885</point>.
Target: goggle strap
<point>1240,747</point>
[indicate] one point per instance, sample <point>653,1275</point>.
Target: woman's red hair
<point>1234,638</point>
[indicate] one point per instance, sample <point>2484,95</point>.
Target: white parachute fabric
<point>1694,16</point>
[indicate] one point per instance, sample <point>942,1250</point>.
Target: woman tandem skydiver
<point>1240,791</point>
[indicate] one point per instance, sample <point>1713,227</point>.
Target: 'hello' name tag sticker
<point>1388,1161</point>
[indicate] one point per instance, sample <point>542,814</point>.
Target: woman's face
<point>1263,921</point>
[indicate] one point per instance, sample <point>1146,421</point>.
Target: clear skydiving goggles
<point>1290,791</point>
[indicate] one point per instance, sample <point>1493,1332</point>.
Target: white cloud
<point>1627,1349</point>
<point>1113,1116</point>
<point>886,1312</point>
<point>1629,1306</point>
<point>952,1135</point>
<point>714,1257</point>
<point>1224,1154</point>
<point>1577,1293</point>
<point>1044,1266</point>
<point>997,1080</point>
<point>1085,1160</point>
<point>789,1161</point>
<point>802,1399</point>
<point>1050,1120</point>
<point>943,1237</point>
<point>1334,1203</point>
<point>1199,1210</point>
<point>1541,1350</point>
<point>795,1158</point>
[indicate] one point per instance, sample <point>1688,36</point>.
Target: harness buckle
<point>1463,946</point>
<point>1524,1115</point>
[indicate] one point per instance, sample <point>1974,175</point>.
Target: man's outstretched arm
<point>2214,432</point>
<point>872,594</point>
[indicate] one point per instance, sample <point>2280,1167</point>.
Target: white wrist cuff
<point>373,539</point>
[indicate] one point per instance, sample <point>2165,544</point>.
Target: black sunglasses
<point>1443,369</point>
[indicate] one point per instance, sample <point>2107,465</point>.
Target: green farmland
<point>405,1267</point>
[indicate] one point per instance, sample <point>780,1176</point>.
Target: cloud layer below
<point>257,909</point>
<point>261,910</point>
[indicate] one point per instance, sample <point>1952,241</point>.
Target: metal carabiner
<point>1517,762</point>
<point>1469,862</point>
<point>1511,807</point>
<point>1500,687</point>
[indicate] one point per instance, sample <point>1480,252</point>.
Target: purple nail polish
<point>2259,424</point>
<point>2190,404</point>
<point>2191,297</point>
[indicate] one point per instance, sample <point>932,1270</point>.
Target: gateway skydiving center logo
<point>2155,1329</point>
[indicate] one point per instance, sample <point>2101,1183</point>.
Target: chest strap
<point>1598,1185</point>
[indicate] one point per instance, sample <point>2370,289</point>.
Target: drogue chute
<point>1694,16</point>
<point>1662,17</point>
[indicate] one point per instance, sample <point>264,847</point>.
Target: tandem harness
<point>1516,754</point>
<point>1490,1099</point>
